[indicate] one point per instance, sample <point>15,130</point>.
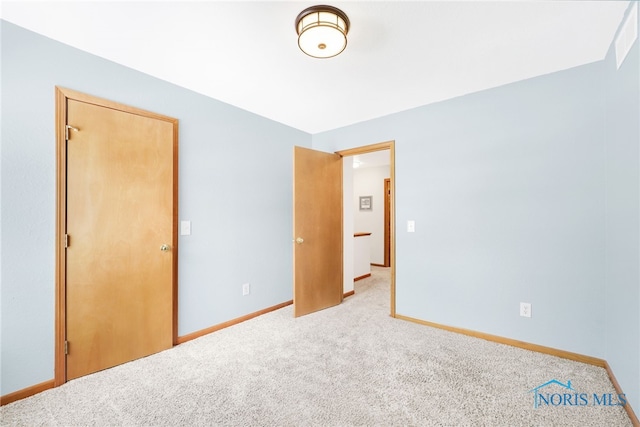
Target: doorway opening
<point>347,156</point>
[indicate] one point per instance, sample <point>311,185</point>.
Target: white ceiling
<point>400,55</point>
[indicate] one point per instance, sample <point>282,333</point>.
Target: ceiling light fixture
<point>322,31</point>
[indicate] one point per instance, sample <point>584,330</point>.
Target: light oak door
<point>120,226</point>
<point>317,219</point>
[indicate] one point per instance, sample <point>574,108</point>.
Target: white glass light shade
<point>322,31</point>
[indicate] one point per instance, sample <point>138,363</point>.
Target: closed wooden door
<point>317,218</point>
<point>121,236</point>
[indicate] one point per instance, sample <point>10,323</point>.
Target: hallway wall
<point>370,182</point>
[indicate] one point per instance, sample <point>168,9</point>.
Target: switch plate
<point>185,228</point>
<point>525,309</point>
<point>246,289</point>
<point>411,226</point>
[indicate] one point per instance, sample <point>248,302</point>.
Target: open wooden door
<point>317,230</point>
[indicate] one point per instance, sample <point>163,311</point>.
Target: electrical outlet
<point>525,309</point>
<point>246,289</point>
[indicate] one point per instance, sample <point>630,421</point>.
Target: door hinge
<point>66,241</point>
<point>66,347</point>
<point>66,131</point>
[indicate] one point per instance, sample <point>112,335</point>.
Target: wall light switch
<point>185,228</point>
<point>411,226</point>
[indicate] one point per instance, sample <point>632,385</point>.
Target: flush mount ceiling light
<point>322,31</point>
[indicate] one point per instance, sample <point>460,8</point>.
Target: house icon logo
<point>565,395</point>
<point>536,390</point>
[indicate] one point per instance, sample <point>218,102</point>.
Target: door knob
<point>165,248</point>
<point>299,240</point>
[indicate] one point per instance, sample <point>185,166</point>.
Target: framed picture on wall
<point>365,203</point>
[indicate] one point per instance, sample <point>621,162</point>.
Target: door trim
<point>387,222</point>
<point>61,97</point>
<point>388,145</point>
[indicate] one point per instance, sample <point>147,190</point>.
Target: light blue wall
<point>507,190</point>
<point>527,192</point>
<point>234,182</point>
<point>623,221</point>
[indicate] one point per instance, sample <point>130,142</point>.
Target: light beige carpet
<point>351,365</point>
